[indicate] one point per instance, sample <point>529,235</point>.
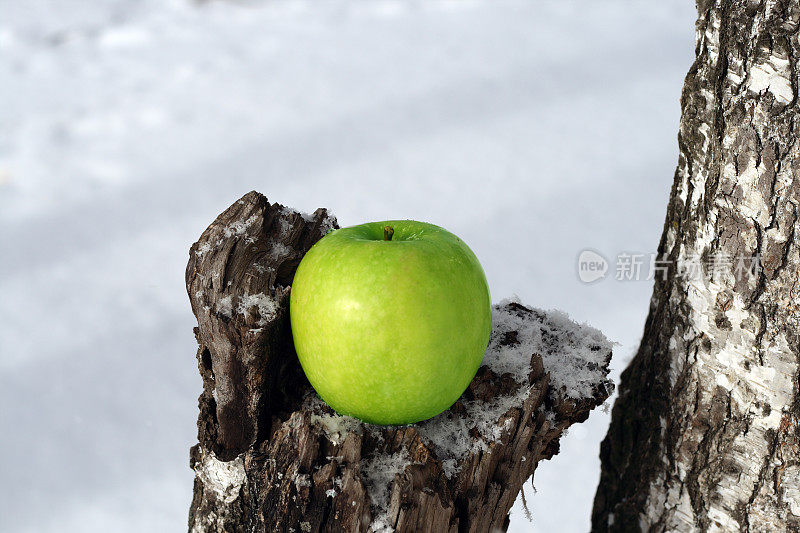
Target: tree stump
<point>273,457</point>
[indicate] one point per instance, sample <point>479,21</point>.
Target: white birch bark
<point>705,434</point>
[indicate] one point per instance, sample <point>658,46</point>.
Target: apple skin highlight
<point>390,331</point>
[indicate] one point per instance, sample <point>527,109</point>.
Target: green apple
<point>390,319</point>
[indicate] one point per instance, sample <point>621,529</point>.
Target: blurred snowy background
<point>532,129</point>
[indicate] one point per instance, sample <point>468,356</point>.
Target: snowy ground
<point>532,129</point>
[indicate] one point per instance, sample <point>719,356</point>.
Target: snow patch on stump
<point>224,478</point>
<point>267,307</point>
<point>379,473</point>
<point>573,354</point>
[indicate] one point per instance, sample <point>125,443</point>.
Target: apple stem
<point>388,231</point>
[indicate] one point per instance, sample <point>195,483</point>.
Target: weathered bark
<point>705,435</point>
<point>272,457</point>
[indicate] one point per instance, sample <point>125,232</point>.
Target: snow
<point>203,249</point>
<point>336,427</point>
<point>266,306</point>
<point>337,484</point>
<point>573,354</point>
<point>225,478</point>
<point>238,228</point>
<point>532,130</point>
<point>301,481</point>
<point>379,472</point>
<point>225,306</point>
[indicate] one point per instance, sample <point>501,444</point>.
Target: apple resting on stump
<point>272,456</point>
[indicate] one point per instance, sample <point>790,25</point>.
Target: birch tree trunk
<point>705,435</point>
